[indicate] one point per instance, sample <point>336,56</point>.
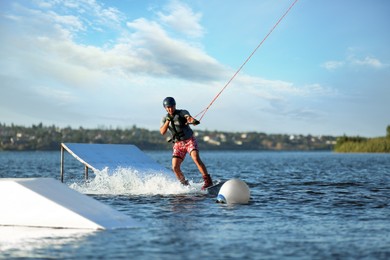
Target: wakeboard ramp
<point>110,157</point>
<point>46,202</point>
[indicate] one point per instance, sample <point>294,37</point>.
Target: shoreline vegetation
<point>48,138</point>
<point>362,145</point>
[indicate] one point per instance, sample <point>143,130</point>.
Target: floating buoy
<point>234,191</point>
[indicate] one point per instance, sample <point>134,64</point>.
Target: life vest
<point>178,126</point>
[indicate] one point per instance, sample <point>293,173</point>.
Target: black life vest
<point>177,130</point>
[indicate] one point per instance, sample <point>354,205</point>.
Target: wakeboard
<point>214,190</point>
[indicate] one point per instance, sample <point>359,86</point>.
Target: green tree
<point>388,131</point>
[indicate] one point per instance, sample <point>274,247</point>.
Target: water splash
<point>126,181</point>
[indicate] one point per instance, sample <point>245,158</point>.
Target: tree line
<point>364,145</point>
<point>41,137</point>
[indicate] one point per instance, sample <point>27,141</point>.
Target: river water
<point>304,205</point>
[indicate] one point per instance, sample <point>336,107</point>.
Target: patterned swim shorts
<point>181,148</point>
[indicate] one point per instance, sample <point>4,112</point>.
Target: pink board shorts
<point>181,148</point>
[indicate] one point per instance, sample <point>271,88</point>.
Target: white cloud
<point>70,22</point>
<point>171,56</point>
<point>332,65</point>
<point>279,90</point>
<point>181,18</point>
<point>352,60</point>
<point>61,97</point>
<point>368,62</point>
<point>90,12</point>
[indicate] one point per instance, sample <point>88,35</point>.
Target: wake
<point>127,181</point>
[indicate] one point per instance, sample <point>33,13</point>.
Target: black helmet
<point>169,102</point>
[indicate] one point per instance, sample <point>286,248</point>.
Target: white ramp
<point>111,156</point>
<point>45,202</point>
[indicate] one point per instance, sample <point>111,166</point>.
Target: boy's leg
<point>176,162</point>
<point>202,169</point>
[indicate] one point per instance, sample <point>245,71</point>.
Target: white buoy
<point>234,191</point>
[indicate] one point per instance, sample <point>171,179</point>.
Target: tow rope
<point>203,112</point>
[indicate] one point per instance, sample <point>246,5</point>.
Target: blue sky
<point>325,70</point>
